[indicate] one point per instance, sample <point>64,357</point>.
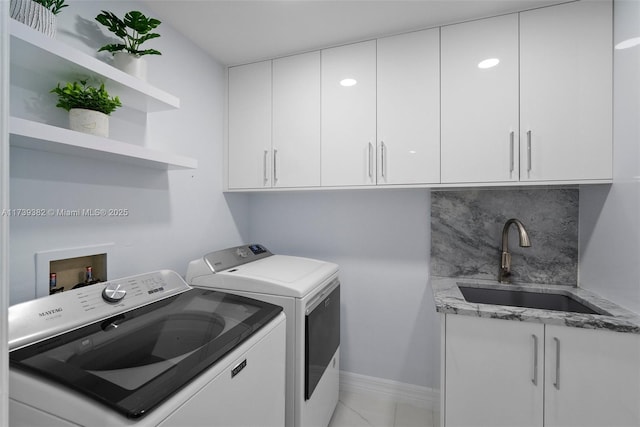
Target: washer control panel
<point>45,317</point>
<point>226,259</point>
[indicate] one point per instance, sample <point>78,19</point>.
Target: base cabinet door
<point>510,373</point>
<point>592,378</point>
<point>493,372</point>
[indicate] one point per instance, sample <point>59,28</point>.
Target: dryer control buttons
<point>113,292</point>
<point>257,249</point>
<point>242,252</point>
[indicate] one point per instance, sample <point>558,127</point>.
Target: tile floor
<point>364,410</point>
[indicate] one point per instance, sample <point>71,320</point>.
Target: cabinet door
<point>566,90</point>
<point>592,378</point>
<point>493,372</point>
<point>296,121</point>
<point>409,108</point>
<point>249,126</point>
<point>349,115</point>
<point>480,104</point>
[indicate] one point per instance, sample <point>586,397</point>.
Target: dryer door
<point>322,335</point>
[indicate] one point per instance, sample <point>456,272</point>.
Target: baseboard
<point>424,397</point>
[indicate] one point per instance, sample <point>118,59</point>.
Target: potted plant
<point>89,107</point>
<point>133,30</point>
<point>38,14</point>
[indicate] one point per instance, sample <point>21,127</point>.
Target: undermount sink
<point>527,299</point>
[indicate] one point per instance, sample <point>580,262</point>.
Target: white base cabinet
<point>592,378</point>
<point>490,372</point>
<point>511,373</point>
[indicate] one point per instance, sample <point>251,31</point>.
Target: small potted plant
<point>37,14</point>
<point>89,107</point>
<point>133,30</point>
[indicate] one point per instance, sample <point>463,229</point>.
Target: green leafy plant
<point>134,30</point>
<point>53,5</point>
<point>82,95</point>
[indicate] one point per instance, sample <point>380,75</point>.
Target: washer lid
<point>278,275</point>
<point>135,360</point>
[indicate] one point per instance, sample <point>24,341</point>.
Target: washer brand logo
<point>50,312</point>
<point>239,367</point>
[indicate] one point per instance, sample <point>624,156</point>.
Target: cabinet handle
<point>511,152</point>
<point>264,167</point>
<point>534,379</point>
<point>556,384</point>
<point>370,162</point>
<point>528,151</point>
<point>383,153</point>
<point>275,165</point>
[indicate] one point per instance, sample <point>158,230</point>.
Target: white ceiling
<point>242,31</point>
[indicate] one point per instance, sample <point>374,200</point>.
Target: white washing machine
<point>146,350</point>
<point>309,292</point>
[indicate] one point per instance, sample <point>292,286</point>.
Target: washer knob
<point>113,292</point>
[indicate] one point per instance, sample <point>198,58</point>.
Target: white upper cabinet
<point>480,101</point>
<point>274,123</point>
<point>348,130</point>
<point>249,128</point>
<point>296,121</point>
<point>518,98</point>
<point>408,91</point>
<point>566,92</point>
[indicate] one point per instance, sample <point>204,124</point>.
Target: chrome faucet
<point>505,264</point>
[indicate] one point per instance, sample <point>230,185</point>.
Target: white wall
<point>380,239</point>
<point>4,204</point>
<point>174,216</point>
<point>610,217</point>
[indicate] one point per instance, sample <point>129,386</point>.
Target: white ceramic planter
<point>34,15</point>
<point>89,121</point>
<point>131,64</point>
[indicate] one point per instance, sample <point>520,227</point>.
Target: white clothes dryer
<point>309,292</point>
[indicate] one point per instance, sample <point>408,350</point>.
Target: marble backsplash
<point>466,234</point>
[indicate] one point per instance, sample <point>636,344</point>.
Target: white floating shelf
<point>38,136</point>
<point>31,49</point>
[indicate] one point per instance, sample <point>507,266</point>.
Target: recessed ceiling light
<point>348,82</point>
<point>626,44</point>
<point>488,63</point>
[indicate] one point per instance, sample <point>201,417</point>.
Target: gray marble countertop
<point>449,300</point>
